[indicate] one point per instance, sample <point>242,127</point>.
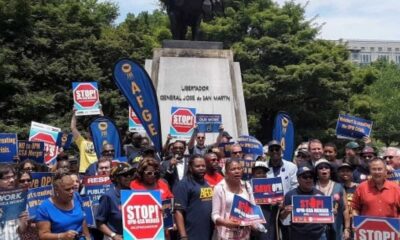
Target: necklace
<point>327,189</point>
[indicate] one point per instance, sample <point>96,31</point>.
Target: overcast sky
<point>348,19</point>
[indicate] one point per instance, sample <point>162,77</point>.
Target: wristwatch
<point>112,235</point>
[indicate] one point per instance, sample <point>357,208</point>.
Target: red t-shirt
<point>369,201</point>
<point>214,179</point>
<point>160,185</point>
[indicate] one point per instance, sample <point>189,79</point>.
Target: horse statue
<point>189,13</point>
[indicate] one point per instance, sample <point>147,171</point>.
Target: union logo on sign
<point>183,120</point>
<point>142,218</point>
<point>86,95</point>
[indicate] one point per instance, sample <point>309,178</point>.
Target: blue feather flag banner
<point>103,131</point>
<point>137,87</point>
<point>284,133</point>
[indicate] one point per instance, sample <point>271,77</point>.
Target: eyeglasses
<point>8,178</point>
<point>238,152</point>
<point>388,157</point>
<point>274,149</point>
<point>127,175</point>
<point>301,156</point>
<point>108,152</point>
<point>151,173</point>
<point>25,180</point>
<point>200,137</point>
<point>323,167</point>
<point>28,169</point>
<point>307,177</point>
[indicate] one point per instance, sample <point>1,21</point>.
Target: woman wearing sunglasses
<point>24,180</point>
<point>109,215</point>
<point>330,188</point>
<point>148,178</point>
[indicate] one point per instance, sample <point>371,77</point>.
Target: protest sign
<point>12,204</point>
<point>31,150</point>
<point>137,87</point>
<point>87,208</point>
<point>95,186</point>
<point>283,132</point>
<point>86,98</point>
<point>245,212</point>
<point>208,123</point>
<point>41,179</point>
<point>247,164</point>
<point>167,213</point>
<point>267,190</point>
<point>226,148</point>
<point>47,134</point>
<point>142,216</point>
<point>8,147</point>
<point>250,145</point>
<point>375,228</point>
<point>182,122</point>
<point>134,122</point>
<point>36,196</point>
<point>64,140</point>
<point>312,209</point>
<point>394,176</point>
<point>350,127</point>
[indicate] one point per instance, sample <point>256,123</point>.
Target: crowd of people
<point>203,181</point>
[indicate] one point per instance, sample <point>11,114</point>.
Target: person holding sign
<point>109,215</point>
<point>193,202</point>
<point>61,216</point>
<point>11,229</point>
<point>303,231</point>
<point>87,153</point>
<point>324,183</point>
<point>222,202</point>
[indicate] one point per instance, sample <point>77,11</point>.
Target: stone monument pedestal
<point>199,75</point>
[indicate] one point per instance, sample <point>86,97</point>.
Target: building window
<point>355,56</point>
<point>362,48</point>
<point>383,57</point>
<point>397,49</point>
<point>398,59</point>
<point>379,49</point>
<point>365,58</point>
<point>389,49</point>
<point>372,49</point>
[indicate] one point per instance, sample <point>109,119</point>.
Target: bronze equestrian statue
<point>189,13</point>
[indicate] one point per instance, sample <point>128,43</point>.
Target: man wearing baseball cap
<point>278,167</point>
<point>303,231</point>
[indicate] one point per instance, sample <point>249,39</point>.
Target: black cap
<point>226,134</point>
<point>274,143</point>
<point>304,169</point>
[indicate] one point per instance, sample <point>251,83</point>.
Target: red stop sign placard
<point>50,147</point>
<point>86,95</point>
<point>183,120</point>
<point>375,229</point>
<point>142,216</point>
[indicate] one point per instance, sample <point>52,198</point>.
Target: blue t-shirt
<point>109,210</point>
<point>61,220</point>
<point>194,199</point>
